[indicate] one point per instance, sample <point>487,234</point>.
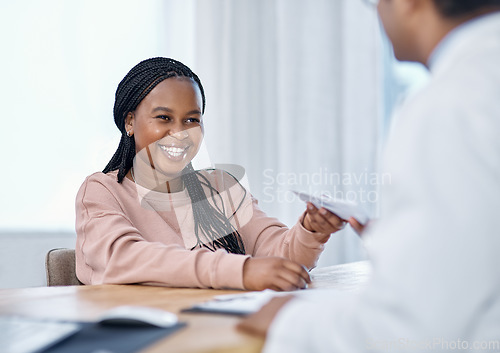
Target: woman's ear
<point>129,124</point>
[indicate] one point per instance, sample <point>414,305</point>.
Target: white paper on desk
<point>342,208</point>
<point>251,302</point>
<point>238,304</point>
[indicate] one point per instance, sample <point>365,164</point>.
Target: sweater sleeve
<point>110,249</point>
<point>267,236</point>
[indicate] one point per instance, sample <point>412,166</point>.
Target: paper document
<point>236,304</point>
<point>342,208</point>
<point>326,281</point>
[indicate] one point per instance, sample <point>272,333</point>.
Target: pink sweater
<point>127,234</point>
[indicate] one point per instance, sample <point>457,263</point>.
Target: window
<point>61,64</point>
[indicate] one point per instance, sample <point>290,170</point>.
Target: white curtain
<point>293,90</point>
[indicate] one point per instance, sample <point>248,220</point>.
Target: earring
<point>129,134</point>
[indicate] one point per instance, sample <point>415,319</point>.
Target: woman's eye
<point>163,117</point>
<point>193,120</point>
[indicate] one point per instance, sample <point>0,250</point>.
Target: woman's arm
<point>111,249</point>
<point>267,236</point>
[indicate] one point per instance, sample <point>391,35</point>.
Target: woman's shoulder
<point>99,183</point>
<point>101,194</point>
<point>102,178</point>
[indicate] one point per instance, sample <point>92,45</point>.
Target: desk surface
<point>204,332</point>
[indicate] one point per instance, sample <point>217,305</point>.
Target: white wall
<point>61,63</point>
<point>22,256</point>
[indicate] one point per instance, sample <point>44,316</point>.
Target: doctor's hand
<point>274,273</point>
<point>259,322</point>
<point>358,227</point>
<point>322,220</point>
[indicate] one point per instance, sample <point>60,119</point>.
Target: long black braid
<point>213,229</point>
<point>210,220</point>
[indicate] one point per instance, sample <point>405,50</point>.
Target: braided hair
<point>212,227</point>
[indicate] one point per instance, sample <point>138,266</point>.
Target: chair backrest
<point>60,268</point>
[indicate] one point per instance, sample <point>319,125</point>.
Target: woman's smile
<point>175,153</point>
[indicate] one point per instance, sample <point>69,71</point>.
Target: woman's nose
<point>179,134</point>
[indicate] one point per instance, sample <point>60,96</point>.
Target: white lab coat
<point>436,250</point>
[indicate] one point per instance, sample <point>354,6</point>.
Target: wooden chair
<point>60,268</point>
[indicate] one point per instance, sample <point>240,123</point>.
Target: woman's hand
<point>274,273</point>
<point>322,220</point>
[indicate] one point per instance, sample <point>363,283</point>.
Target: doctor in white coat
<point>436,250</point>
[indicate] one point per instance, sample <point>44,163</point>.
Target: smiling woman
<point>161,134</point>
<point>149,217</point>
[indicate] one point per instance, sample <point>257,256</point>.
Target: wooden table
<point>204,332</point>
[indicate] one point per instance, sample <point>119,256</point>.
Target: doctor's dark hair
<point>210,223</point>
<point>456,8</point>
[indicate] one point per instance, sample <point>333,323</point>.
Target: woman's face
<point>167,126</point>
